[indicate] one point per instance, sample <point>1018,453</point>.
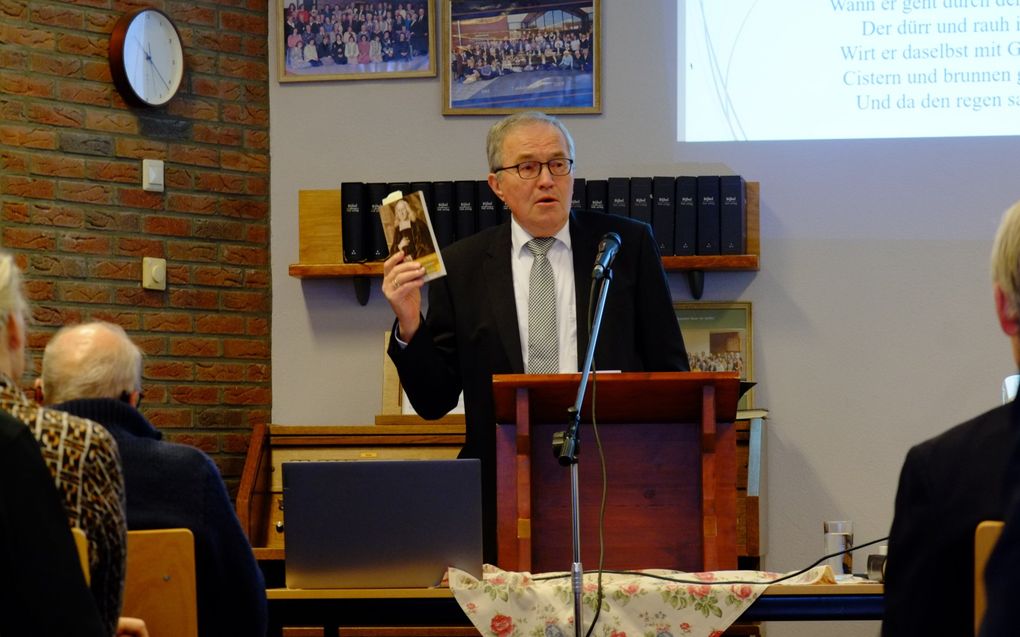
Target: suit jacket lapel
<point>583,245</point>
<point>499,275</point>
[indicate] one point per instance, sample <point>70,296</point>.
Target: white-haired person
<point>80,455</point>
<point>94,371</point>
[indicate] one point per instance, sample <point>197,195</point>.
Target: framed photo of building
<point>354,40</point>
<point>509,55</point>
<point>718,339</point>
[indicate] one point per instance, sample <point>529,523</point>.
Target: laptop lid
<point>380,523</point>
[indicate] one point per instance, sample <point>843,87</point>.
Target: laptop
<point>381,523</point>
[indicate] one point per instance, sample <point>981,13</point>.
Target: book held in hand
<point>407,226</point>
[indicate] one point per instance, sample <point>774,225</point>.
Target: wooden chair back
<point>160,582</point>
<point>82,544</point>
<point>985,537</point>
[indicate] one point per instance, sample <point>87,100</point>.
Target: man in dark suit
<point>948,485</point>
<point>478,315</point>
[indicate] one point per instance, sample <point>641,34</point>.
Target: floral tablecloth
<point>512,604</point>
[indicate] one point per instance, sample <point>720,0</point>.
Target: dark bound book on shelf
<point>598,195</point>
<point>490,208</point>
<point>663,213</point>
<point>426,192</point>
<point>466,218</point>
<point>618,199</point>
<point>685,234</point>
<point>443,212</point>
<point>732,215</point>
<point>708,215</point>
<point>377,248</point>
<point>579,202</point>
<point>352,221</point>
<point>641,199</point>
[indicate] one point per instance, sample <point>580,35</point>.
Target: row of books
<point>703,215</point>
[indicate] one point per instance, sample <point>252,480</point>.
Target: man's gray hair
<point>91,360</point>
<point>502,128</point>
<point>12,292</point>
<point>1006,258</point>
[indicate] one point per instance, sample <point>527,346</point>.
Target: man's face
<point>540,205</point>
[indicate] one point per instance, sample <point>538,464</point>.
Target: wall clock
<point>146,57</point>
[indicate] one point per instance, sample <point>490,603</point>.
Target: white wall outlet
<point>153,273</point>
<point>152,175</point>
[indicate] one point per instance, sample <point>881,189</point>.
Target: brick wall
<point>72,208</point>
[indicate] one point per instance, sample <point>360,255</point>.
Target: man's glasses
<point>559,167</point>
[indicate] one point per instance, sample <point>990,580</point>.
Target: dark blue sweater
<point>170,485</point>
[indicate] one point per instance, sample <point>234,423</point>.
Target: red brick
<point>219,324</point>
<point>196,347</point>
<point>127,320</point>
<point>258,374</point>
<point>119,171</point>
<point>257,234</point>
<point>40,291</point>
<point>187,12</point>
<point>138,198</point>
<point>194,155</point>
<point>255,47</point>
<point>36,188</point>
<point>16,211</point>
<point>174,226</point>
<point>58,166</point>
<point>100,22</point>
<point>12,162</point>
<point>191,251</point>
<point>29,37</point>
<point>218,276</point>
<point>257,186</point>
<point>141,149</point>
<point>190,298</point>
<point>195,394</point>
<point>118,270</point>
<point>235,443</point>
<point>178,178</point>
<point>29,239</point>
<point>256,278</point>
<point>247,162</point>
<point>178,274</point>
<point>102,219</point>
<point>168,418</point>
<point>94,46</point>
<point>56,114</point>
<point>167,322</point>
<point>219,182</point>
<point>256,139</point>
<point>45,214</point>
<point>221,418</point>
<point>168,370</point>
<point>219,372</point>
<point>247,396</point>
<point>151,345</point>
<point>217,134</point>
<point>63,17</point>
<point>245,255</point>
<point>28,137</point>
<point>50,64</point>
<point>201,63</point>
<point>86,92</point>
<point>57,316</point>
<point>14,10</point>
<point>140,247</point>
<point>136,296</point>
<point>193,108</point>
<point>96,71</point>
<point>245,22</point>
<point>249,115</point>
<point>85,192</point>
<point>238,348</point>
<point>249,208</point>
<point>62,266</point>
<point>193,204</point>
<point>85,243</point>
<point>112,122</point>
<point>84,293</point>
<point>218,41</point>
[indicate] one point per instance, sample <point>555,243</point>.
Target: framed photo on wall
<point>509,55</point>
<point>355,40</point>
<point>718,339</point>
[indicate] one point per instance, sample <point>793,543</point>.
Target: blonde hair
<point>12,292</point>
<point>1006,258</point>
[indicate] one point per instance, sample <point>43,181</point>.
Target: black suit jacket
<point>948,485</point>
<point>471,331</point>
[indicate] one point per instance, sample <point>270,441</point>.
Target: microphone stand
<point>566,446</point>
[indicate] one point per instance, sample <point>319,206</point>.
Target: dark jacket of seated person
<point>171,485</point>
<point>42,585</point>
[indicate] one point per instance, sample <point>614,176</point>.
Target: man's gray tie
<point>543,343</point>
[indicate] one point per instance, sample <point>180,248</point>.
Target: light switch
<point>152,175</point>
<point>153,273</point>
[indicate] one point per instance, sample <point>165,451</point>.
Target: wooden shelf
<point>320,249</point>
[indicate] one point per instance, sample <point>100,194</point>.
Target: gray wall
<point>873,316</point>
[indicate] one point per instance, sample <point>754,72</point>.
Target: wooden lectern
<point>670,450</point>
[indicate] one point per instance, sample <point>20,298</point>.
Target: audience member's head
<point>1006,275</point>
<point>13,317</point>
<point>91,360</point>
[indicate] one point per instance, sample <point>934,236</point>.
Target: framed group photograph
<point>718,339</point>
<point>502,56</point>
<point>355,40</point>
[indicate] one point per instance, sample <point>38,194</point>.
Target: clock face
<point>152,59</point>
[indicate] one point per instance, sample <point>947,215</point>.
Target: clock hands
<point>147,51</point>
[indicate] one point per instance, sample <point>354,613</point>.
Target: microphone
<point>608,248</point>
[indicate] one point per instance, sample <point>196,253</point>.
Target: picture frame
<point>380,49</point>
<point>504,56</point>
<point>719,338</point>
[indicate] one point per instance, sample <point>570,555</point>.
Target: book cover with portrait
<point>407,226</point>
